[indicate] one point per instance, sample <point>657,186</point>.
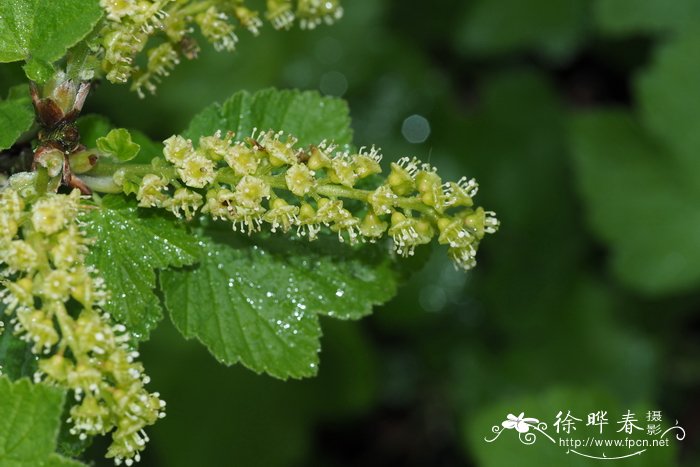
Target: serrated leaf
<point>16,117</point>
<point>42,30</point>
<point>118,144</point>
<point>306,115</point>
<point>29,422</point>
<point>129,246</point>
<point>636,204</point>
<point>260,306</point>
<point>635,16</point>
<point>92,127</point>
<point>552,27</point>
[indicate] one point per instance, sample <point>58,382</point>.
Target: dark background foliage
<point>579,120</point>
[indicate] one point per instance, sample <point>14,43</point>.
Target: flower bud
<point>82,161</point>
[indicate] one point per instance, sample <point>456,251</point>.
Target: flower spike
<point>268,180</point>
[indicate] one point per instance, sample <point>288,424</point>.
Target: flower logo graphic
<point>520,423</point>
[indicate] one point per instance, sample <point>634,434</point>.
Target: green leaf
<point>40,31</point>
<point>56,460</point>
<point>306,115</point>
<point>16,117</point>
<point>118,144</point>
<point>636,203</point>
<point>38,70</point>
<point>639,16</point>
<point>669,101</point>
<point>29,423</point>
<point>552,27</point>
<point>260,305</point>
<point>93,127</point>
<point>129,246</point>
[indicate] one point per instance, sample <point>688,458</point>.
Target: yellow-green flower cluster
<point>129,24</point>
<point>267,179</point>
<point>53,301</point>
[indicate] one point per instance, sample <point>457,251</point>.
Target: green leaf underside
<point>128,247</point>
<point>636,203</point>
<point>16,117</point>
<point>43,30</point>
<point>306,115</point>
<point>29,423</point>
<point>259,306</point>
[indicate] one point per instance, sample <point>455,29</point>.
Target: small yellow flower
<point>152,191</point>
<point>250,192</point>
<point>177,149</point>
<point>184,200</point>
<point>243,160</point>
<point>197,171</point>
<point>49,215</point>
<point>300,179</point>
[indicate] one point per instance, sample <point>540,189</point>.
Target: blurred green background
<point>579,118</point>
